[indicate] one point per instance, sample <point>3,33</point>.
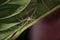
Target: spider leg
<point>21,20</point>
<point>33,14</point>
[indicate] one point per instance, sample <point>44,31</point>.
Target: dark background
<point>24,35</point>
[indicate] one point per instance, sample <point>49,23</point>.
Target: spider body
<point>29,19</point>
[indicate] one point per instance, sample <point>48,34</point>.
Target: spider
<point>28,19</point>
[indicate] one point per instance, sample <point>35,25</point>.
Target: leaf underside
<point>15,15</point>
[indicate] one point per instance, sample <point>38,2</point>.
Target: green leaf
<point>2,2</point>
<point>12,8</point>
<point>18,15</point>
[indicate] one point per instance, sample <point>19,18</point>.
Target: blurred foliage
<point>18,15</point>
